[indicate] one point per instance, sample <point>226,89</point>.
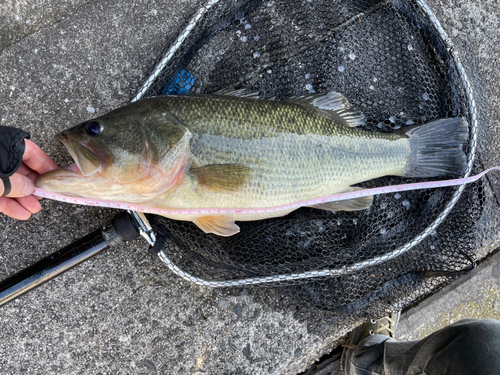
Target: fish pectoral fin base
<point>220,225</point>
<point>355,204</point>
<point>221,177</point>
<point>332,106</point>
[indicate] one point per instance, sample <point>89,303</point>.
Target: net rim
<point>358,266</point>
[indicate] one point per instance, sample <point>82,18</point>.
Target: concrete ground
<point>474,296</point>
<point>122,311</point>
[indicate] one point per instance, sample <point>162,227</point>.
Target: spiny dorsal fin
<point>220,225</point>
<point>225,177</point>
<point>354,204</point>
<point>333,106</point>
<point>239,93</point>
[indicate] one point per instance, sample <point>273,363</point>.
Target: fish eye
<point>94,128</point>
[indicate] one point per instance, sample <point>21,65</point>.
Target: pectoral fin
<point>221,177</point>
<point>354,204</point>
<point>220,225</point>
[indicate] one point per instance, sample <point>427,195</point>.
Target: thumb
<point>22,186</point>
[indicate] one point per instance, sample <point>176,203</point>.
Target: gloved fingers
<point>12,208</point>
<point>36,159</point>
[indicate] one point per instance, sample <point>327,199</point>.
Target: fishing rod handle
<point>121,228</point>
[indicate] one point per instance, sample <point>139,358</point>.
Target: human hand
<point>19,203</point>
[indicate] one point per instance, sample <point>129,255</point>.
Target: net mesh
<point>391,63</point>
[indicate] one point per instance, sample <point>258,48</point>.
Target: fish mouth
<point>73,179</point>
<point>86,161</point>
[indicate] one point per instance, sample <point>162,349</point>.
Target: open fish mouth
<point>86,162</point>
<point>74,179</point>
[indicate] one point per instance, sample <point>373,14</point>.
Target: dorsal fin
<point>333,106</point>
<point>239,93</point>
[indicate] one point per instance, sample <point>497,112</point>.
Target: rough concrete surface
<point>21,18</point>
<point>123,311</point>
<point>474,296</point>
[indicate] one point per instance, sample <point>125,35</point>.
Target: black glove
<point>11,153</point>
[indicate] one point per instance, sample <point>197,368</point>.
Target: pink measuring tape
<point>210,211</point>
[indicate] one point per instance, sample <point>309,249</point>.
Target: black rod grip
<point>51,266</point>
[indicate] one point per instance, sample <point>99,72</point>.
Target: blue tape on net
<point>180,84</point>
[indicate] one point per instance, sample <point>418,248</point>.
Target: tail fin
<point>436,148</point>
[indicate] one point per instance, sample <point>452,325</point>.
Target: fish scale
<point>318,158</point>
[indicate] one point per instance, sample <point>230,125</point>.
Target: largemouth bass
<point>218,151</point>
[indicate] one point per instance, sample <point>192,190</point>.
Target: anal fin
<point>355,204</point>
<point>220,225</point>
